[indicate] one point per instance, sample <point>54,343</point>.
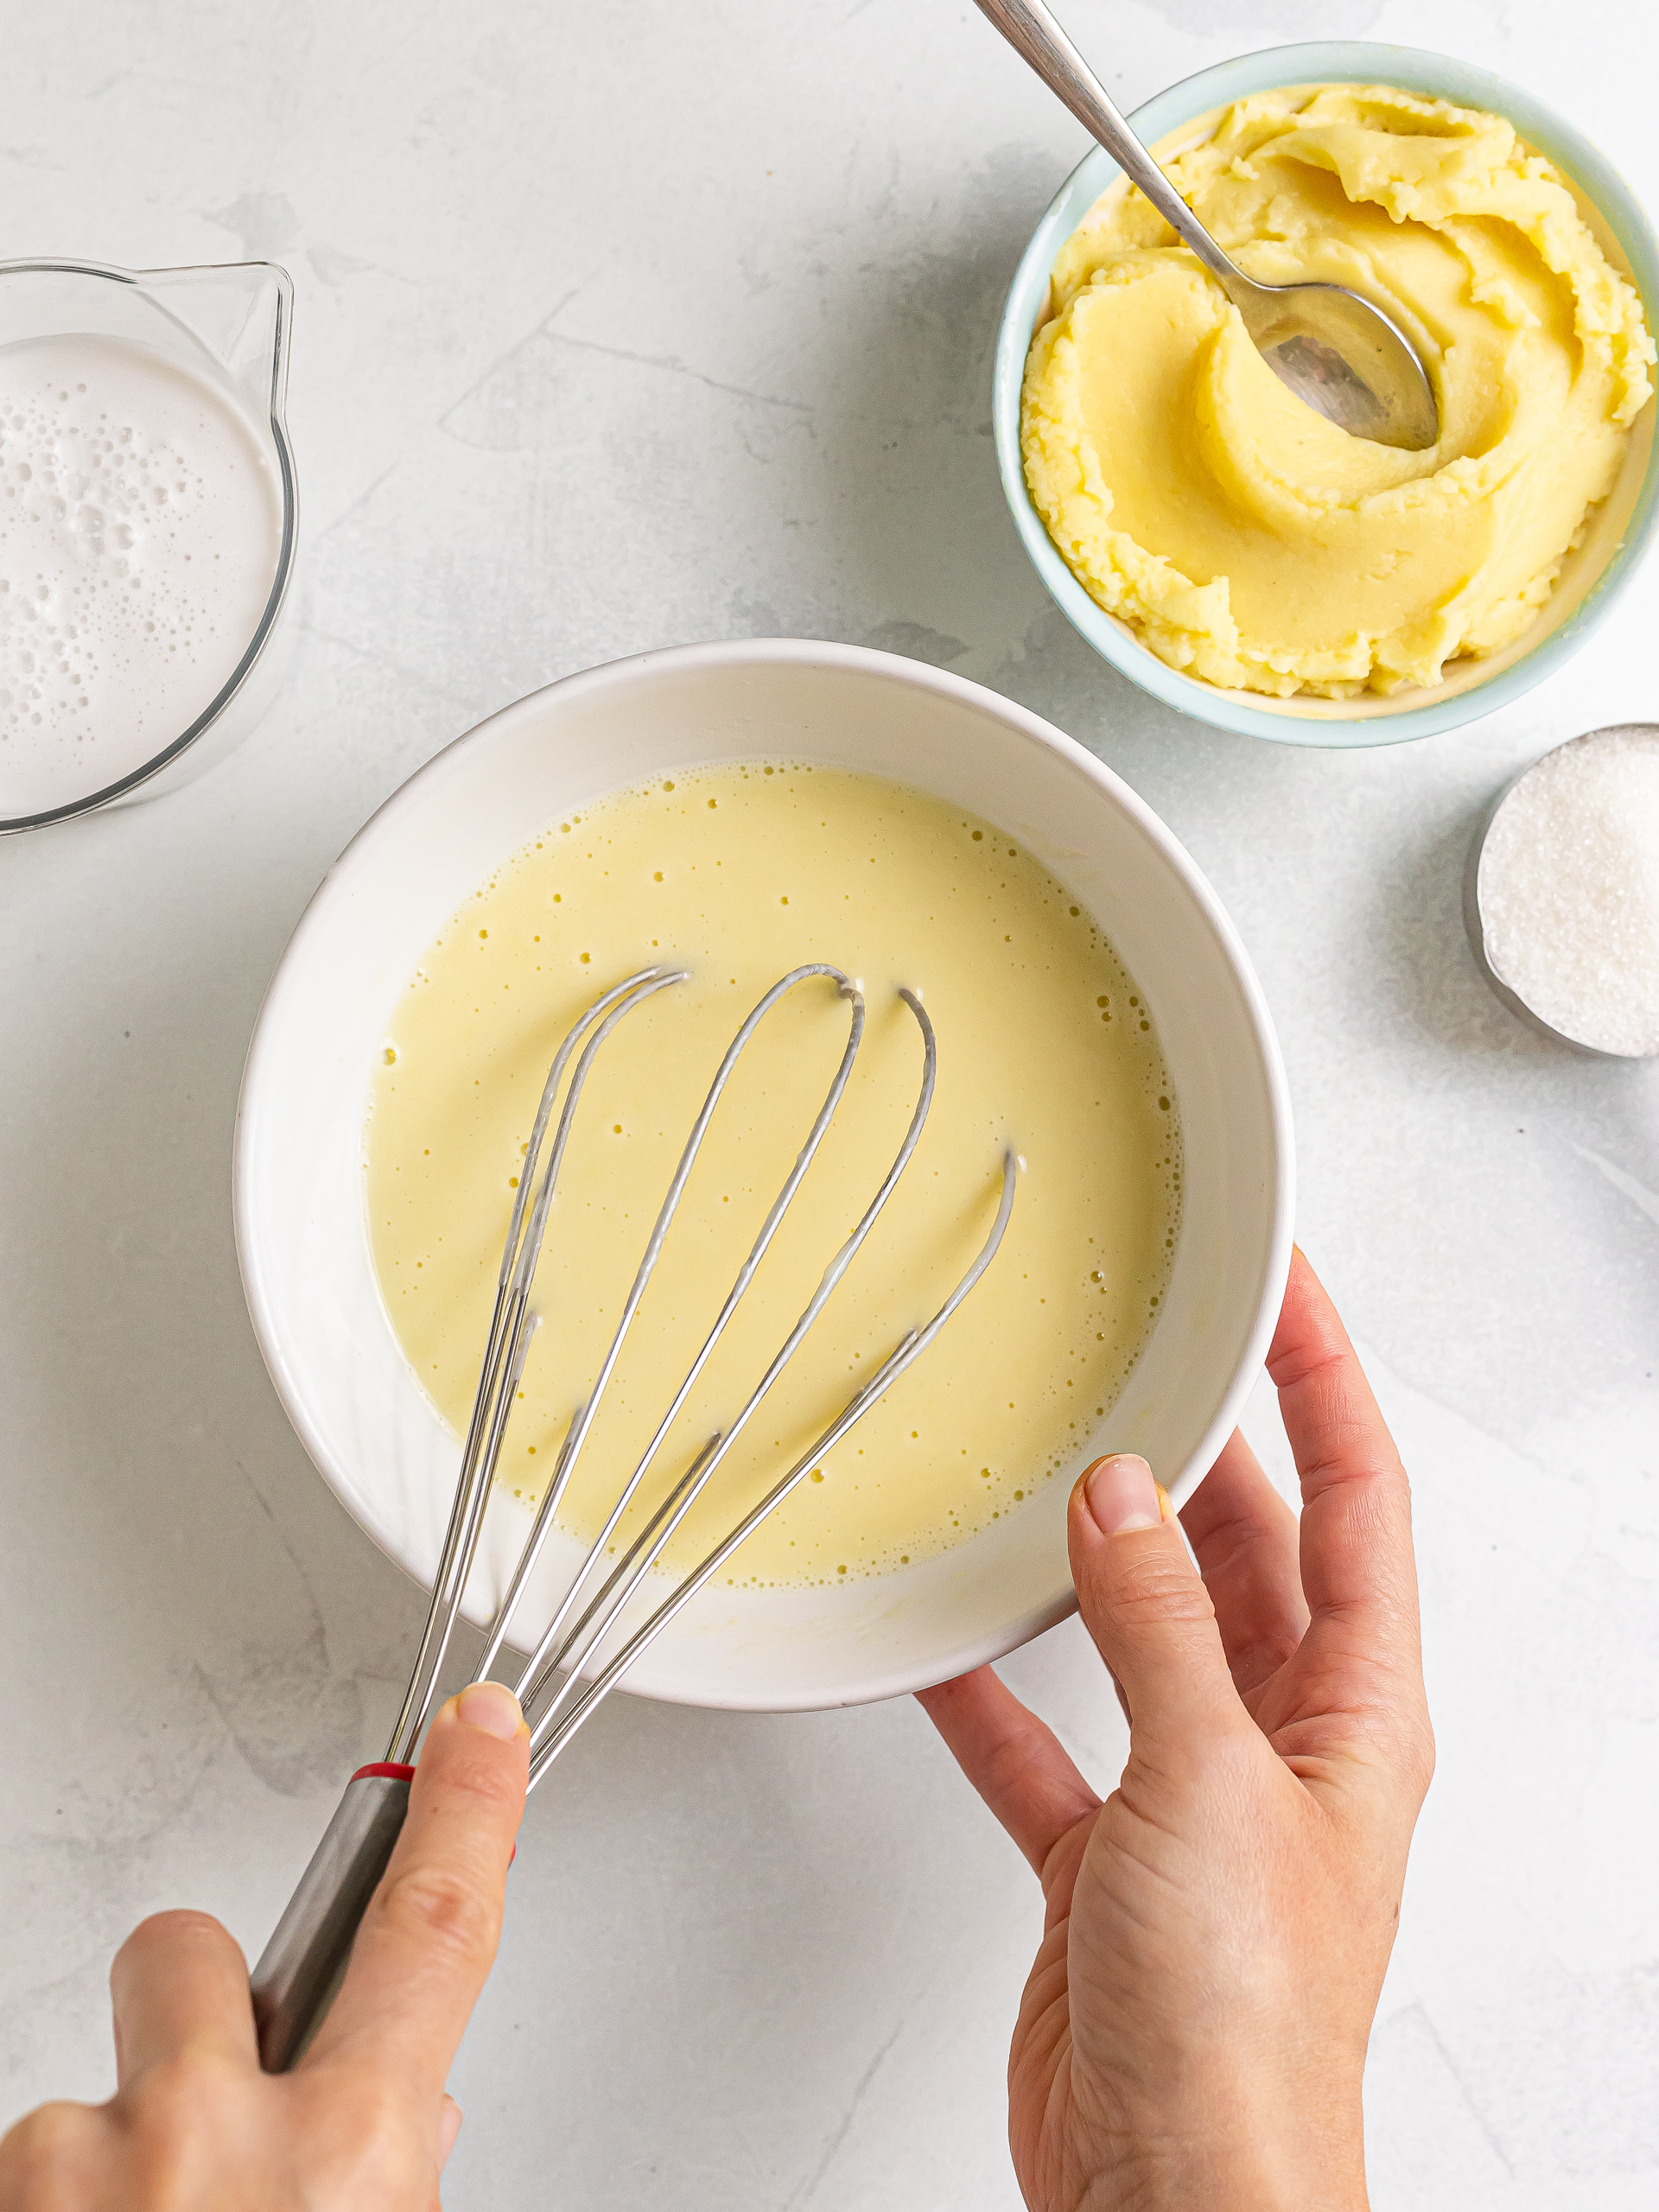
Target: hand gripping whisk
<point>588,1646</point>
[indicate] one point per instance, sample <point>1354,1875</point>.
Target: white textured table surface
<point>657,323</point>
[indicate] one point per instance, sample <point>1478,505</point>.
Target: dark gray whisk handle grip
<point>303,1965</point>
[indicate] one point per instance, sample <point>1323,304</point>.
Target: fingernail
<point>449,2128</point>
<point>1121,1494</point>
<point>493,1707</point>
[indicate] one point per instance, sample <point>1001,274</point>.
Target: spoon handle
<point>1038,39</point>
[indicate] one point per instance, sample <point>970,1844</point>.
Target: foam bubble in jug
<point>140,531</point>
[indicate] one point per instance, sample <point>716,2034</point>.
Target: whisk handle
<point>301,1966</point>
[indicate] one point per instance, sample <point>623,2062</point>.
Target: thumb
<point>1146,1606</point>
<point>428,1938</point>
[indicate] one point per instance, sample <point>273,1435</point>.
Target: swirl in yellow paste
<point>1249,541</point>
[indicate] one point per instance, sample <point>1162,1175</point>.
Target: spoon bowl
<point>1337,350</point>
<point>1343,358</point>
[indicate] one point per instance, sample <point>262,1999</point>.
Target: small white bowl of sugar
<point>1562,893</point>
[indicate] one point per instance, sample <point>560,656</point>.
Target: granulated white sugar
<point>1568,888</point>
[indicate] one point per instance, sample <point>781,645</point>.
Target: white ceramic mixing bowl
<point>300,1221</point>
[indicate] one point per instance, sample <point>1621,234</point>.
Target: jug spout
<point>241,311</point>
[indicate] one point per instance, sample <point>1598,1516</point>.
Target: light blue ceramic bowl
<point>1562,627</point>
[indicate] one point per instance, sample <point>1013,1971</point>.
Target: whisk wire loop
<point>572,1655</point>
<point>582,1422</point>
<point>506,1347</point>
<point>573,1650</point>
<point>546,1747</point>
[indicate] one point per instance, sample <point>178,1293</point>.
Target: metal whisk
<point>588,1646</point>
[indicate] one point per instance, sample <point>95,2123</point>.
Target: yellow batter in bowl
<point>1247,541</point>
<point>1046,1043</point>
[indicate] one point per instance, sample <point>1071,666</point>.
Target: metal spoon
<point>1343,357</point>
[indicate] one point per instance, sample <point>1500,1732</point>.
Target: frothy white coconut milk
<point>140,531</point>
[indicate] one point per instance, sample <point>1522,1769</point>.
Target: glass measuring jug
<point>148,524</point>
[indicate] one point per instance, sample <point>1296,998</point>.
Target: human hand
<point>1194,2029</point>
<point>364,2121</point>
